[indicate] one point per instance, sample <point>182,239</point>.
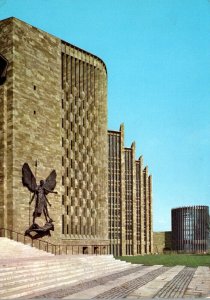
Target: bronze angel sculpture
<point>39,191</point>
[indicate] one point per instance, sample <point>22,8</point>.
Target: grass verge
<point>189,260</point>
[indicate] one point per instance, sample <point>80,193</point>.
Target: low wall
<point>162,241</point>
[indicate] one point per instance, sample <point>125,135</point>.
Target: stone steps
<point>11,249</point>
<point>48,271</point>
<point>20,285</point>
<point>91,276</point>
<point>21,264</point>
<point>24,276</point>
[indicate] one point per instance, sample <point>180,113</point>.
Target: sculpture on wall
<point>3,69</point>
<point>41,202</point>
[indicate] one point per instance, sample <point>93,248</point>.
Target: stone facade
<point>53,115</point>
<point>162,241</point>
<point>130,199</point>
<point>84,147</point>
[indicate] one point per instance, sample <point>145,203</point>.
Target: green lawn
<point>169,260</point>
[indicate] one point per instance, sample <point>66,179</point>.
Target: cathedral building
<point>129,199</point>
<point>53,115</point>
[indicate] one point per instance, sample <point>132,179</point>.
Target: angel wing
<point>50,182</point>
<point>28,178</point>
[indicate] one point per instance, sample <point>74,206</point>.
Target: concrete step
<point>40,288</point>
<point>27,271</point>
<point>91,276</point>
<point>10,248</point>
<point>22,273</point>
<point>64,262</point>
<point>22,286</point>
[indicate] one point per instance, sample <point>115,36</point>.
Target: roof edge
<point>62,41</point>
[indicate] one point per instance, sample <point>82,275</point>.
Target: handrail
<point>53,248</point>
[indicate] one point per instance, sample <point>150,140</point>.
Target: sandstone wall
<point>162,241</point>
<point>53,116</point>
<point>33,116</point>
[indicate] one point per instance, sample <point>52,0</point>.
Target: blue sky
<point>157,54</point>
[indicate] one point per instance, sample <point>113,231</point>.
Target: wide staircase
<point>29,272</point>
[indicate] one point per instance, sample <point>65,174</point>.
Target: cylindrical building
<point>190,228</point>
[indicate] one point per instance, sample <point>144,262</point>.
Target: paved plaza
<point>29,273</point>
<point>142,282</point>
